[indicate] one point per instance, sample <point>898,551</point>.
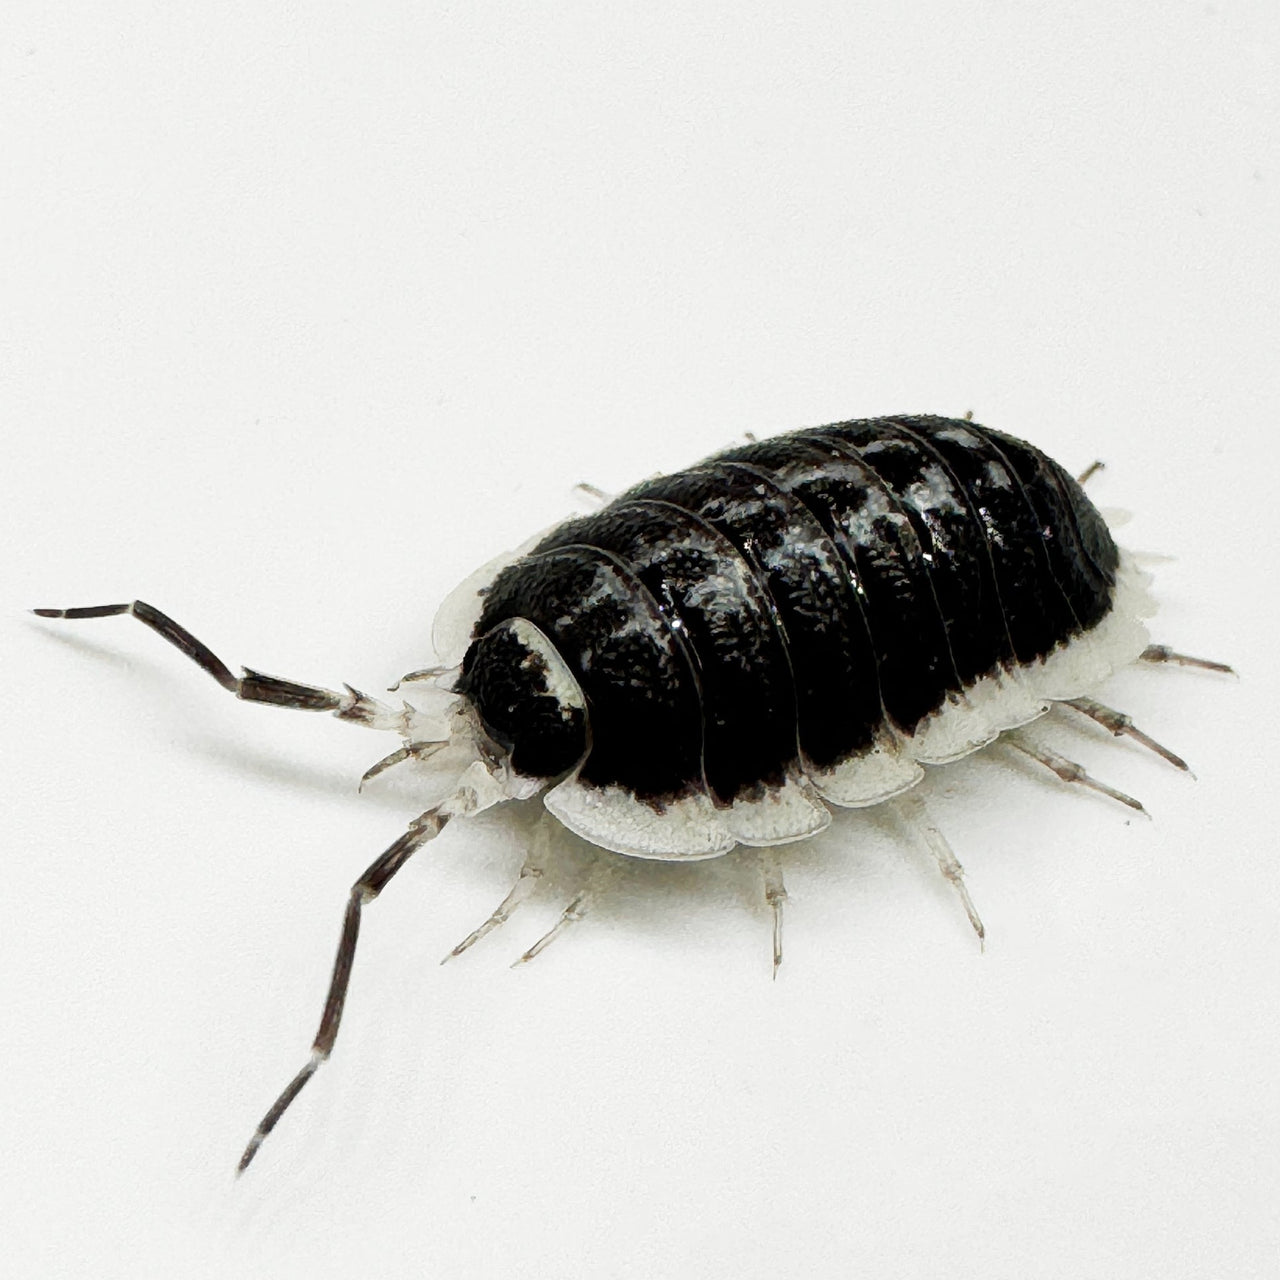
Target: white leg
<point>600,873</point>
<point>593,494</point>
<point>531,871</point>
<point>421,675</point>
<point>410,751</point>
<point>1162,653</point>
<point>775,894</point>
<point>1069,771</point>
<point>1122,726</point>
<point>913,815</point>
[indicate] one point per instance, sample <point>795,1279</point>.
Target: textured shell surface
<point>719,655</point>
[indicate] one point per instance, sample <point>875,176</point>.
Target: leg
<point>1090,471</point>
<point>410,750</point>
<point>252,686</point>
<point>530,873</point>
<point>1069,771</point>
<point>602,870</point>
<point>593,493</point>
<point>1162,653</point>
<point>913,815</point>
<point>775,894</point>
<point>1121,726</point>
<point>424,828</point>
<point>426,673</point>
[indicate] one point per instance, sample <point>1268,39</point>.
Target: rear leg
<point>913,815</point>
<point>1162,653</point>
<point>1069,771</point>
<point>251,686</point>
<point>1122,726</point>
<point>775,894</point>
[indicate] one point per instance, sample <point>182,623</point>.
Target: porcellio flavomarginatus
<point>719,656</point>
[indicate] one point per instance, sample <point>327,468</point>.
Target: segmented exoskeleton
<point>718,656</point>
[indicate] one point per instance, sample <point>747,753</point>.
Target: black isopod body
<point>799,622</point>
<point>719,656</point>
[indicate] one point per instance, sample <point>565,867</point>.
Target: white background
<point>308,310</point>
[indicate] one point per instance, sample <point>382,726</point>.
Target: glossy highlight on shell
<point>796,623</point>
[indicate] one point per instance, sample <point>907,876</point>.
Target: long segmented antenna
<point>1162,653</point>
<point>423,828</point>
<point>251,686</point>
<point>1122,726</point>
<point>1069,771</point>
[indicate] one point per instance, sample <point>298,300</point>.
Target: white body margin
<point>693,828</point>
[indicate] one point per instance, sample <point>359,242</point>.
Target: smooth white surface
<point>309,310</point>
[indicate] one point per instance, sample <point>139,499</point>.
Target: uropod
<point>721,656</point>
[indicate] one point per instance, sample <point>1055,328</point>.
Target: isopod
<point>719,656</point>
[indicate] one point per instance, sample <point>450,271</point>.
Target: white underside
<point>688,829</point>
<point>611,817</point>
<point>880,774</point>
<point>975,717</point>
<point>789,812</point>
<point>694,828</point>
<point>1076,668</point>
